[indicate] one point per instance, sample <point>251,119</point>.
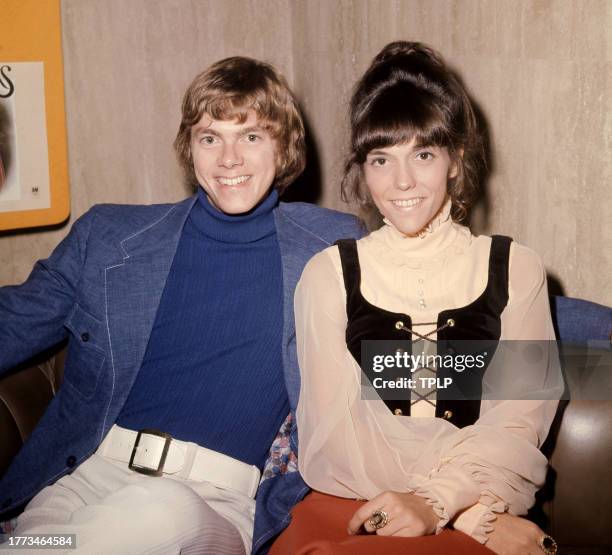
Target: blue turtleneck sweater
<point>212,372</point>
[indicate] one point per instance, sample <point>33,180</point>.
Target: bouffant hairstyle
<point>408,93</point>
<point>230,89</point>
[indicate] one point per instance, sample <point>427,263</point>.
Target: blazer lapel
<point>133,292</point>
<point>297,246</point>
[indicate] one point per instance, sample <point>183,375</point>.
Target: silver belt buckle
<point>162,460</point>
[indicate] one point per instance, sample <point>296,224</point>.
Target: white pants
<point>113,510</point>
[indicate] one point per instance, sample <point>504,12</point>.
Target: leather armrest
<point>24,396</point>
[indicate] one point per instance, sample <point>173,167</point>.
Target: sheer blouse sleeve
<point>359,449</point>
<point>527,317</point>
<point>328,385</point>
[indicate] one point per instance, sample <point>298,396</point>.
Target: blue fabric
<point>101,288</point>
<point>579,321</point>
<point>231,229</point>
<point>220,317</point>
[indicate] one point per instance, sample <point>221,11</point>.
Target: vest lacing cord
<point>399,325</point>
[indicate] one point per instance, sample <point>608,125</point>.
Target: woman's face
<point>408,183</point>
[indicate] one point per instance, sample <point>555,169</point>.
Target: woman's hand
<point>514,535</point>
<point>409,515</point>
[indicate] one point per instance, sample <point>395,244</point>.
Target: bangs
<point>398,115</point>
<point>227,108</point>
<point>237,107</point>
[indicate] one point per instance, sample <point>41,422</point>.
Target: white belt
<point>156,453</point>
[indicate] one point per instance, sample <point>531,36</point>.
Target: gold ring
<point>547,544</point>
<point>379,519</point>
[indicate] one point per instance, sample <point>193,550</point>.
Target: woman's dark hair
<point>409,93</point>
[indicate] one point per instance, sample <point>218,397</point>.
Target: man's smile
<point>232,180</point>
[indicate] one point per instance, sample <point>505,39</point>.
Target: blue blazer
<point>100,288</point>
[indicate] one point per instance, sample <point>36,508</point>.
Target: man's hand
<point>409,515</point>
<point>514,535</point>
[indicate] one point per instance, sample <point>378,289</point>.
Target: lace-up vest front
<point>477,321</point>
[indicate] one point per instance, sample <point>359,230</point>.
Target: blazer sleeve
<point>32,314</point>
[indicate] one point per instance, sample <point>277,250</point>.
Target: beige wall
<point>539,70</point>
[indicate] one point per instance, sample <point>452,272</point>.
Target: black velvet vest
<point>479,320</point>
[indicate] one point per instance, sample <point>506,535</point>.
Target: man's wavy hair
<point>409,93</point>
<point>230,89</point>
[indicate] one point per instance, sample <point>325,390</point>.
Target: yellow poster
<point>33,162</point>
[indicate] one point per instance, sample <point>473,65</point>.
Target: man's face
<point>235,163</point>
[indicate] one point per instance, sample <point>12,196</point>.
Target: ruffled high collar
<point>440,237</point>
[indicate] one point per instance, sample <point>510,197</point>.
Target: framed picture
<point>34,187</point>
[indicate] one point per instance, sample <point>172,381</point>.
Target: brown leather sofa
<point>575,506</point>
<point>24,396</point>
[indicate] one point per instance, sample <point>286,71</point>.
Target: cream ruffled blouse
<point>357,448</point>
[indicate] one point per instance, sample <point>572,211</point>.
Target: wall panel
<point>539,71</point>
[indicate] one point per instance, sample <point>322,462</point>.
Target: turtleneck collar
<point>440,234</point>
<point>229,228</point>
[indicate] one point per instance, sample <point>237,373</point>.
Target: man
<point>179,319</point>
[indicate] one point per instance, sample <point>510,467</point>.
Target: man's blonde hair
<point>229,90</point>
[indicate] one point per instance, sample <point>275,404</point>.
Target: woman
<point>426,464</point>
